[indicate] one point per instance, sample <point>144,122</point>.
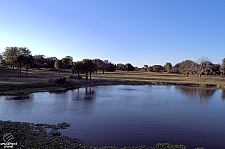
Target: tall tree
<point>88,66</point>
<point>157,68</point>
<point>111,67</point>
<point>186,67</point>
<point>149,69</point>
<point>145,68</point>
<point>67,61</point>
<point>205,66</point>
<point>175,68</point>
<point>28,61</point>
<point>104,65</point>
<point>58,65</point>
<point>20,59</point>
<point>216,69</point>
<point>50,61</point>
<point>24,51</point>
<point>223,66</point>
<point>98,63</point>
<point>78,66</point>
<point>10,55</point>
<point>39,61</point>
<point>1,60</point>
<point>129,67</point>
<point>168,67</point>
<point>120,66</point>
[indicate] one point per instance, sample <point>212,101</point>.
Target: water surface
<point>126,115</point>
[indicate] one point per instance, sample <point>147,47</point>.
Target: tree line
<point>21,57</point>
<point>203,66</point>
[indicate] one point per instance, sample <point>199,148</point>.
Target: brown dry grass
<point>37,80</point>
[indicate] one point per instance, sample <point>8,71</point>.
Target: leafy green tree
<point>78,66</point>
<point>168,67</point>
<point>157,68</point>
<point>175,68</point>
<point>10,55</point>
<point>111,67</point>
<point>88,66</point>
<point>39,61</point>
<point>186,67</point>
<point>27,58</point>
<point>129,67</point>
<point>50,61</point>
<point>58,65</point>
<point>24,51</point>
<point>67,61</point>
<point>98,63</point>
<point>216,69</point>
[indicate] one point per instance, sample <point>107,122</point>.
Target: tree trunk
<point>103,71</point>
<point>86,75</point>
<point>20,69</point>
<point>27,72</point>
<point>90,75</point>
<point>59,72</point>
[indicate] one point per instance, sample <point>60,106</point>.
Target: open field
<point>37,80</point>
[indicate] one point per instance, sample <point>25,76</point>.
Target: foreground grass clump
<point>30,135</point>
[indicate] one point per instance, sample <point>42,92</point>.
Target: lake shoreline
<point>18,89</point>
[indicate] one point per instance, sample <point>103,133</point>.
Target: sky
<point>122,31</point>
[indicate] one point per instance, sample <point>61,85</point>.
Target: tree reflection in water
<point>84,94</point>
<point>202,92</point>
<point>20,97</point>
<point>223,94</point>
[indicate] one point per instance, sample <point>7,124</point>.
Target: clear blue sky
<point>136,31</point>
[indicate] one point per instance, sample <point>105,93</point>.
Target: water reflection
<point>124,115</point>
<point>20,97</point>
<point>200,92</point>
<point>84,94</point>
<point>223,94</point>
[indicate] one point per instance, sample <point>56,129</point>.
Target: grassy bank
<point>30,135</point>
<point>37,80</point>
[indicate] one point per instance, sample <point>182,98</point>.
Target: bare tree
<point>205,66</point>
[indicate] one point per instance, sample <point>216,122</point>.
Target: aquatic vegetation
<point>30,135</point>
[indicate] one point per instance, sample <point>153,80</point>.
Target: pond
<point>128,115</point>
